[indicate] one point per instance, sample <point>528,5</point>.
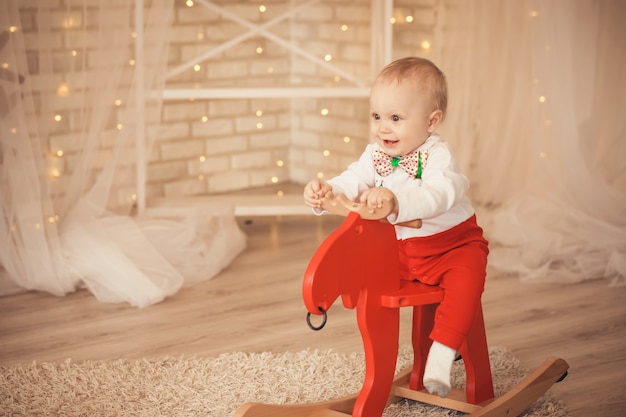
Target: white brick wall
<point>207,146</point>
<point>293,131</point>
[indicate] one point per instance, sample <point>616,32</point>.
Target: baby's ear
<point>435,119</point>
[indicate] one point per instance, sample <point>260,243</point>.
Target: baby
<point>410,166</point>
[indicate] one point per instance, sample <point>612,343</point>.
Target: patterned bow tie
<point>410,163</point>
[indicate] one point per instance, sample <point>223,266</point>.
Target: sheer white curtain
<point>66,85</point>
<point>537,117</point>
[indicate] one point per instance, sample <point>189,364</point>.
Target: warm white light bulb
<point>63,90</point>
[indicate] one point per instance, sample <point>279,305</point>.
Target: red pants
<point>456,260</point>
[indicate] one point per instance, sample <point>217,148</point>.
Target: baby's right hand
<point>314,192</point>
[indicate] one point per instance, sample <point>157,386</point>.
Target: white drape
<point>60,227</point>
<point>537,119</point>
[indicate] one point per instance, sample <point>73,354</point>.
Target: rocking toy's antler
<point>342,206</point>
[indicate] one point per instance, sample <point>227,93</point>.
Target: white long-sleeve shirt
<point>439,198</point>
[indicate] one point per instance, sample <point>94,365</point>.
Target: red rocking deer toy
<point>359,262</point>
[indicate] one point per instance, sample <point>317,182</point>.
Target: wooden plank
<point>242,205</point>
<point>200,92</point>
<point>341,407</point>
<point>454,401</point>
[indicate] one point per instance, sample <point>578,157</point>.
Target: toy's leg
<point>423,320</point>
<point>380,330</point>
<point>475,354</point>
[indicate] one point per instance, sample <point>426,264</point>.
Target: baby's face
<point>400,116</point>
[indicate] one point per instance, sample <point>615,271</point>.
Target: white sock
<point>438,368</point>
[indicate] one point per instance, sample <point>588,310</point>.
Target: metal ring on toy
<point>324,317</point>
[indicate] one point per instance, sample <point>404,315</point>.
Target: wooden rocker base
<point>512,403</point>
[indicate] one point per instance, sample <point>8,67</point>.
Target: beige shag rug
<point>216,387</point>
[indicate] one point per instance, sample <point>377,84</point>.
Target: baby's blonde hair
<point>422,71</point>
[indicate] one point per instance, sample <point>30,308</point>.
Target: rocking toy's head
<point>359,254</point>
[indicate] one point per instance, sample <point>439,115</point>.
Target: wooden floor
<point>255,305</point>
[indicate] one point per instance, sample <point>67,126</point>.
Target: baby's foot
<point>436,387</point>
<point>438,367</point>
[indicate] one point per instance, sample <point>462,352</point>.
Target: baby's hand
<point>374,198</point>
<point>315,191</point>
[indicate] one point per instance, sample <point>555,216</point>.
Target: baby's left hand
<point>375,197</point>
